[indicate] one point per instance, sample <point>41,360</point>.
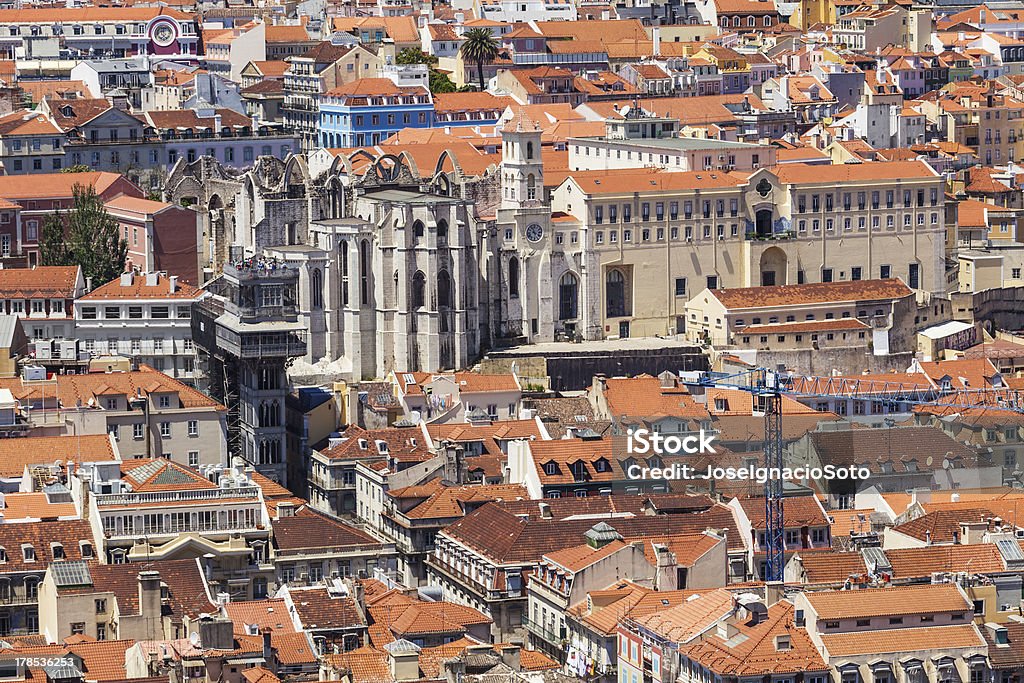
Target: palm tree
<point>480,47</point>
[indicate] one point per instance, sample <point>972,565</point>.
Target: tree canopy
<point>480,47</point>
<point>86,235</point>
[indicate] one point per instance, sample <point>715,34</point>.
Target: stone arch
<point>444,290</point>
<point>568,296</point>
<point>773,266</point>
<point>418,291</point>
<point>335,195</point>
<point>513,277</point>
<point>618,300</point>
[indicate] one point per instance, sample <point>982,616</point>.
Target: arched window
<point>735,21</point>
<point>32,587</point>
<point>568,288</point>
<point>531,187</point>
<point>442,229</point>
<point>418,229</point>
<point>725,22</point>
<point>751,21</point>
<point>444,290</point>
<point>364,272</point>
<point>616,301</point>
<point>513,277</point>
<point>419,290</point>
<point>529,150</point>
<point>317,285</point>
<point>767,21</point>
<point>343,253</point>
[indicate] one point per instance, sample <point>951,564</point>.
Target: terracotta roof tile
<point>53,185</point>
<point>310,530</point>
<point>16,454</point>
<point>138,289</point>
<point>644,396</point>
<point>271,613</point>
<point>882,602</point>
<point>904,640</point>
<point>757,655</point>
<point>742,298</point>
<point>317,609</point>
<point>57,282</point>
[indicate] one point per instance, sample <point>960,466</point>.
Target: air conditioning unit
<point>44,349</point>
<point>69,349</point>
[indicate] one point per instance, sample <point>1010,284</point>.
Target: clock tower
<point>524,237</point>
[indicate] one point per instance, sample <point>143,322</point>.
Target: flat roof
<point>682,144</point>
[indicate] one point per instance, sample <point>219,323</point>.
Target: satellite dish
<point>193,638</point>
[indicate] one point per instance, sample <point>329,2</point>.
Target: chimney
<point>510,657</point>
<point>88,284</point>
<point>773,592</point>
<point>149,595</point>
<point>126,279</point>
<point>218,123</point>
<point>656,41</point>
<point>152,279</point>
<point>403,660</point>
<point>545,510</point>
<point>268,650</point>
<point>216,634</point>
<point>359,593</point>
<point>172,284</point>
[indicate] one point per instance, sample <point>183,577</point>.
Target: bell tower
<point>522,170</point>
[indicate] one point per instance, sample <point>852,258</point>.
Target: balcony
<point>773,237</point>
<point>545,632</point>
<point>212,495</point>
<point>260,345</point>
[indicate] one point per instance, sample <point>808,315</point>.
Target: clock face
<point>163,35</point>
<point>534,232</point>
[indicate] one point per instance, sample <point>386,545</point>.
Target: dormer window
<point>364,444</point>
<point>382,447</point>
<point>3,554</point>
<point>601,465</point>
<point>66,111</point>
<point>57,551</point>
<point>551,468</point>
<point>28,552</point>
<point>86,549</point>
<point>783,643</point>
<point>579,471</point>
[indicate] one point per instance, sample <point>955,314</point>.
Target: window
<point>826,275</point>
<point>135,312</point>
<point>680,286</point>
<point>137,430</point>
<point>165,429</point>
<point>164,401</point>
<point>193,428</point>
<point>160,312</point>
<point>101,605</point>
<point>111,312</point>
<point>616,295</point>
<point>193,458</point>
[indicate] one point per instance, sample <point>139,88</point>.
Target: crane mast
<point>768,387</point>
